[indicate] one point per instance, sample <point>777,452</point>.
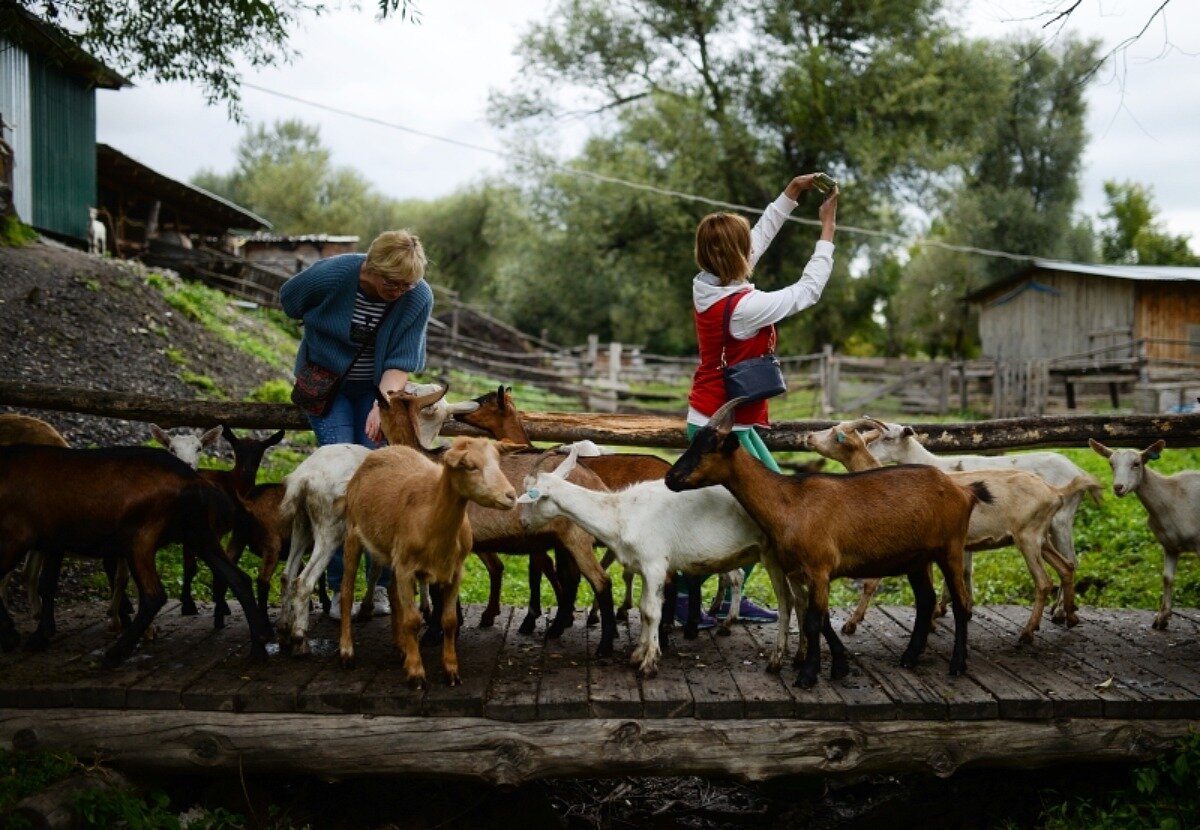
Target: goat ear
<point>728,442</point>
<point>275,439</point>
<point>908,432</point>
<point>1099,448</point>
<point>463,407</point>
<point>160,435</point>
<point>501,403</point>
<point>382,399</point>
<point>228,435</point>
<point>209,438</point>
<point>870,435</point>
<point>506,447</point>
<point>1152,452</point>
<point>432,397</point>
<point>453,457</point>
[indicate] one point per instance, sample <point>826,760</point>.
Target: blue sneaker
<point>749,612</point>
<point>681,613</point>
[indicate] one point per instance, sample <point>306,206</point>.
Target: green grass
<point>14,233</point>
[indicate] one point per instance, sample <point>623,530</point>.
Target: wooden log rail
<point>625,430</point>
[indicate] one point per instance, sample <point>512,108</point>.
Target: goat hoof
<point>416,681</point>
<point>622,615</point>
<point>648,671</point>
<point>223,609</point>
<point>364,614</point>
<point>1072,620</point>
<point>112,658</point>
<point>723,630</point>
<point>840,668</point>
<point>1159,625</point>
<point>218,622</point>
<point>150,634</point>
<point>452,679</point>
<point>528,624</point>
<point>299,646</point>
<point>347,661</point>
<point>849,627</point>
<point>605,649</point>
<point>691,632</point>
<point>1026,638</point>
<point>487,620</point>
<point>258,653</point>
<point>188,608</point>
<point>805,680</point>
<point>774,666</point>
<point>9,640</point>
<point>555,630</point>
<point>908,661</point>
<point>957,669</point>
<point>593,618</point>
<point>432,636</point>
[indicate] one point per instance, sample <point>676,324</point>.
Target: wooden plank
<point>614,689</point>
<point>387,692</point>
<point>764,695</point>
<point>478,650</point>
<point>824,701</point>
<point>497,752</point>
<point>46,678</point>
<point>715,693</point>
<point>334,688</point>
<point>910,698</point>
<point>667,694</point>
<point>1164,685</point>
<point>163,689</point>
<point>1068,697</point>
<point>513,695</point>
<point>563,691</point>
<point>966,698</point>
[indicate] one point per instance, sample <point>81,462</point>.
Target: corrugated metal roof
<point>306,237</point>
<point>1141,273</point>
<point>57,45</point>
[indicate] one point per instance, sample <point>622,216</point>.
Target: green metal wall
<point>63,110</point>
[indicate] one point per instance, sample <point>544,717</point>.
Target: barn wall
<point>14,106</point>
<point>64,150</point>
<point>1167,310</point>
<point>1036,324</point>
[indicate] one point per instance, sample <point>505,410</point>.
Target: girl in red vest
<point>727,249</point>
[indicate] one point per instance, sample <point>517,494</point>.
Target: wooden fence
<point>625,430</point>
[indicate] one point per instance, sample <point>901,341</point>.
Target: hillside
<point>71,319</point>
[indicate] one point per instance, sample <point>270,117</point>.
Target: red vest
<point>708,384</point>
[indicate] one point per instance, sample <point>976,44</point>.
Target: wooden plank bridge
<point>1109,689</point>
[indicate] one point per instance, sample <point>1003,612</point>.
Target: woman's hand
<point>798,185</point>
<point>828,215</point>
<point>372,426</point>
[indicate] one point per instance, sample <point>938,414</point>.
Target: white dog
<point>97,235</point>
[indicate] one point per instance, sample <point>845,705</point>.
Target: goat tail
<point>981,492</point>
<point>1084,483</point>
<point>293,497</point>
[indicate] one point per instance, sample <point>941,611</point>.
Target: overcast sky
<point>1144,114</point>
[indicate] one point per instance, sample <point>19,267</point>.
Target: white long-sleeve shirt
<point>763,308</point>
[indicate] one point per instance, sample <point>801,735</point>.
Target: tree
<point>285,175</point>
<point>197,41</point>
<point>729,99</point>
<point>1133,234</point>
<point>1017,196</point>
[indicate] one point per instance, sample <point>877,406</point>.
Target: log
<point>509,754</point>
<point>51,809</point>
<point>628,430</point>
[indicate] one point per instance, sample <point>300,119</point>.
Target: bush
<point>14,233</point>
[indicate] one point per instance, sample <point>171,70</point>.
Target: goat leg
<point>1170,559</point>
<point>495,569</point>
<point>869,587</point>
<point>840,662</point>
<point>952,571</point>
<point>450,623</point>
<point>922,586</point>
<point>814,617</point>
<point>47,589</point>
<point>569,575</point>
<point>535,592</point>
<point>666,622</point>
<point>695,586</point>
<point>151,595</point>
<point>187,605</point>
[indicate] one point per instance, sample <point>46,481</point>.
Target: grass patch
<point>203,383</point>
<point>14,233</point>
<point>273,391</point>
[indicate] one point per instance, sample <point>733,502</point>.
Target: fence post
<point>944,390</point>
<point>593,348</point>
<point>963,400</point>
<point>998,390</point>
<point>826,378</point>
<point>614,365</point>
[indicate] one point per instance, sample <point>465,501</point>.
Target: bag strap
<point>368,340</point>
<point>725,334</point>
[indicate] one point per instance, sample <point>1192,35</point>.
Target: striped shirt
<point>363,323</point>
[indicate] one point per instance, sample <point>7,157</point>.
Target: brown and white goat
<point>120,501</point>
<point>826,526</point>
<point>1023,506</point>
<point>409,513</point>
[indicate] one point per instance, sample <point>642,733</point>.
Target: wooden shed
<point>48,97</point>
<point>1056,309</point>
<point>295,253</point>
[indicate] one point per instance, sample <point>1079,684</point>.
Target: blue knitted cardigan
<point>322,295</point>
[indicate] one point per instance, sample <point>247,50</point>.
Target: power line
<point>634,185</point>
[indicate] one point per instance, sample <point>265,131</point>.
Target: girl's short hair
<point>397,255</point>
<point>723,246</point>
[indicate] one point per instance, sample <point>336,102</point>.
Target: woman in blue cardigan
<point>341,300</point>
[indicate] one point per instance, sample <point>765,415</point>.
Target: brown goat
<point>828,526</point>
<point>1022,507</point>
<point>410,513</point>
<point>120,501</point>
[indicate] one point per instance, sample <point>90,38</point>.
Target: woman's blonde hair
<point>397,255</point>
<point>723,246</point>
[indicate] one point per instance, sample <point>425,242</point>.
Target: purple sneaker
<point>749,612</point>
<point>681,612</point>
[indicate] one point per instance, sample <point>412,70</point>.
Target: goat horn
<point>541,459</point>
<point>875,421</point>
<point>723,417</point>
<point>858,424</point>
<point>567,467</point>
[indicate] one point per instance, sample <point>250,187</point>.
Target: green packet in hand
<point>824,182</point>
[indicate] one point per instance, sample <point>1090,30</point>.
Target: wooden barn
<point>295,253</point>
<point>48,98</point>
<point>1058,309</point>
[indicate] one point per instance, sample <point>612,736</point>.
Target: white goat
<point>898,444</point>
<point>1172,505</point>
<point>97,235</point>
<point>655,532</point>
<point>187,445</point>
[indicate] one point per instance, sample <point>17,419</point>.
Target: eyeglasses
<point>397,285</point>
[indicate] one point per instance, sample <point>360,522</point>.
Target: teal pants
<point>752,442</point>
